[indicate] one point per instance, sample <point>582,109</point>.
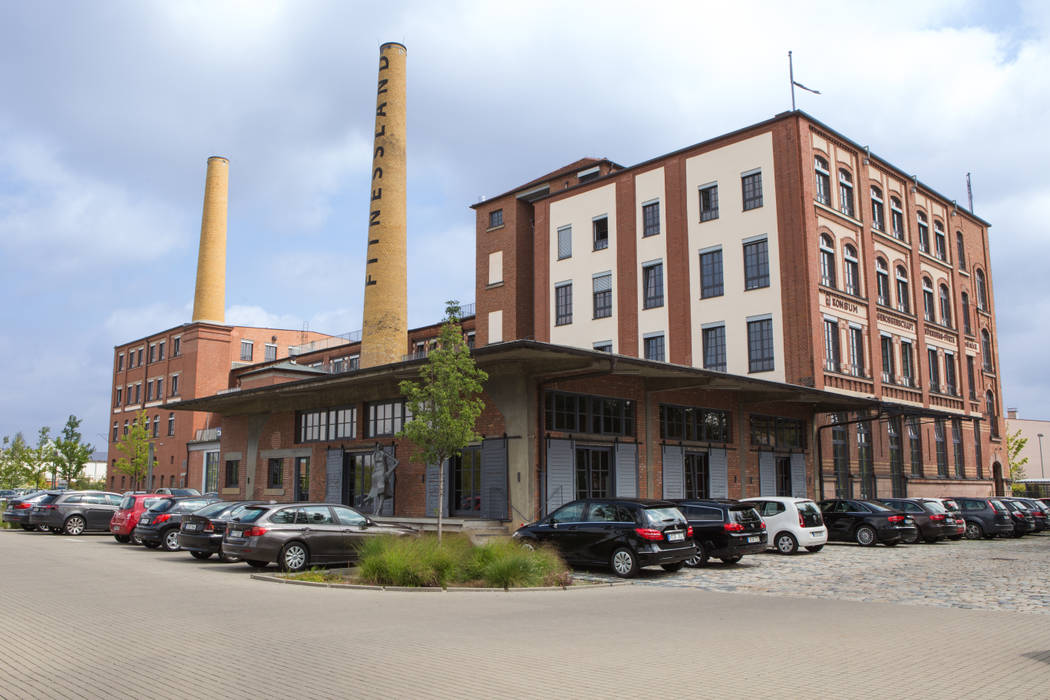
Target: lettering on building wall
<point>894,321</point>
<point>375,216</point>
<point>971,346</point>
<point>938,335</point>
<point>836,303</point>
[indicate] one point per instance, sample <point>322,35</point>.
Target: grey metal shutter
<point>798,475</point>
<point>432,490</point>
<point>333,484</point>
<point>602,282</point>
<point>767,478</point>
<point>626,481</point>
<point>388,504</point>
<point>718,466</point>
<point>565,242</point>
<point>674,472</point>
<point>561,459</point>
<point>494,479</point>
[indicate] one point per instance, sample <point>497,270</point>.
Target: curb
<point>431,589</point>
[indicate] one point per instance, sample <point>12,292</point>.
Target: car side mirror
<point>553,524</point>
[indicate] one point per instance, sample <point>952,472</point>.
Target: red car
<point>127,516</point>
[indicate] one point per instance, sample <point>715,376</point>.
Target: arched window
<point>924,233</point>
<point>845,192</point>
<point>982,296</point>
<point>989,407</point>
<point>903,297</point>
<point>946,306</point>
<point>966,313</point>
<point>927,299</point>
<point>852,271</point>
<point>882,281</point>
<point>986,349</point>
<point>823,180</point>
<point>878,218</point>
<point>940,247</point>
<point>827,260</point>
<point>960,251</point>
<point>897,215</point>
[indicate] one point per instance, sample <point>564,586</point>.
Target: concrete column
<point>209,298</point>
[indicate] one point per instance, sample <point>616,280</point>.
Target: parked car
<point>791,523</point>
<point>1024,521</point>
<point>159,526</point>
<point>625,534</point>
<point>75,512</point>
<point>955,512</point>
<point>18,508</point>
<point>985,517</point>
<point>865,522</point>
<point>932,520</point>
<point>723,529</point>
<point>132,506</point>
<point>179,492</point>
<point>1036,509</point>
<point>298,535</point>
<point>201,533</point>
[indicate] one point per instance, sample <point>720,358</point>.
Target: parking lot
<point>87,617</point>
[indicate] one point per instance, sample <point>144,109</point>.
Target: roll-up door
<point>494,479</point>
<point>560,483</point>
<point>718,464</point>
<point>767,474</point>
<point>626,470</point>
<point>798,475</point>
<point>432,491</point>
<point>333,482</point>
<point>674,471</point>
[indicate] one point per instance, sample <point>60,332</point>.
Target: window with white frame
<point>897,218</point>
<point>852,270</point>
<point>924,232</point>
<point>246,350</point>
<point>856,351</point>
<point>709,202</point>
<point>888,373</point>
<point>946,306</point>
<point>986,349</point>
<point>846,192</point>
<point>907,364</point>
<point>827,260</point>
<point>933,362</point>
<point>832,359</point>
<point>882,282</point>
<point>823,175</point>
<point>940,246</point>
<point>982,293</point>
<point>903,294</point>
<point>878,215</point>
<point>960,250</point>
<point>927,299</point>
<point>269,352</point>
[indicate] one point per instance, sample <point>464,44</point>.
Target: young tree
<point>70,453</point>
<point>444,404</point>
<point>1014,444</point>
<point>13,457</point>
<point>40,460</point>
<point>135,446</point>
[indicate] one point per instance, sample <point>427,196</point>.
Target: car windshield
<point>185,492</point>
<point>48,498</point>
<point>213,509</point>
<point>163,505</point>
<point>1020,505</point>
<point>190,506</point>
<point>807,507</point>
<point>663,516</point>
<point>250,514</point>
<point>128,503</point>
<point>878,507</point>
<point>998,505</point>
<point>950,504</point>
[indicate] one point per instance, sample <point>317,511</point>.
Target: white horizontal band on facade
<point>755,239</point>
<point>753,171</point>
<point>710,249</point>
<point>712,324</point>
<point>760,317</point>
<point>654,334</point>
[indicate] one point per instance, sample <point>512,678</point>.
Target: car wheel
<point>786,543</point>
<point>699,559</point>
<point>815,548</point>
<point>227,558</point>
<point>171,540</point>
<point>150,544</point>
<point>74,525</point>
<point>528,544</point>
<point>135,540</point>
<point>294,557</point>
<point>201,555</point>
<point>974,531</point>
<point>677,566</point>
<point>866,536</point>
<point>123,539</point>
<point>43,528</point>
<point>731,560</point>
<point>624,563</point>
<point>29,528</point>
<point>257,563</point>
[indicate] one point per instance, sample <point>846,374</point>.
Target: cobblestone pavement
<point>87,617</point>
<point>1000,574</point>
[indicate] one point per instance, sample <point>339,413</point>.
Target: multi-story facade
<point>784,251</point>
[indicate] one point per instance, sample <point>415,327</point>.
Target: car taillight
<point>23,506</point>
<point>801,520</point>
<point>47,507</point>
<point>210,527</point>
<point>763,524</point>
<point>732,527</point>
<point>689,532</point>
<point>162,518</point>
<point>647,533</point>
<point>1019,515</point>
<point>259,531</point>
<point>937,516</point>
<point>896,518</point>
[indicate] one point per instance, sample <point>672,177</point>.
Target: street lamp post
<point>1042,473</point>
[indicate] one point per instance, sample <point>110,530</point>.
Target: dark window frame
<point>751,190</point>
<point>760,350</point>
<point>756,264</point>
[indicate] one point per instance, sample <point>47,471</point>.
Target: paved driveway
<point>86,617</point>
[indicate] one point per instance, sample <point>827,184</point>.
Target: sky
<point>110,110</point>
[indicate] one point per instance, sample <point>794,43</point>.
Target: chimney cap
<point>219,158</point>
<point>392,43</point>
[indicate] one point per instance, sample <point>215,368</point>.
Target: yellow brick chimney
<point>209,298</point>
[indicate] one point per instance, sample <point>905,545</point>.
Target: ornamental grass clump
<point>504,563</point>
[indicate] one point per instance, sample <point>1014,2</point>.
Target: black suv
<point>985,517</point>
<point>866,522</point>
<point>932,519</point>
<point>1036,509</point>
<point>723,529</point>
<point>159,526</point>
<point>75,512</point>
<point>622,533</point>
<point>1023,519</point>
<point>201,533</point>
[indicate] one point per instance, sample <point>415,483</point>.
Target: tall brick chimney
<point>384,335</point>
<point>209,297</point>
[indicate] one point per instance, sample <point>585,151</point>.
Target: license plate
<point>909,521</point>
<point>236,533</point>
<point>675,536</point>
<point>192,526</point>
<point>752,539</point>
<point>144,521</point>
<point>819,533</point>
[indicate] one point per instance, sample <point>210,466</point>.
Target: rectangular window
<point>593,472</point>
<point>970,377</point>
<point>653,285</point>
<point>149,391</point>
<point>711,279</point>
<point>233,468</point>
<point>714,341</point>
<point>977,448</point>
<point>495,218</point>
<point>949,374</point>
<point>171,424</point>
<point>600,228</point>
<point>865,461</point>
<point>602,285</point>
<point>907,373</point>
<point>888,373</point>
<point>275,473</point>
<point>752,188</point>
<point>915,445</point>
<point>756,264</point>
<point>603,346</point>
<point>174,385</point>
<point>709,202</point>
<point>116,432</point>
<point>654,347</point>
<point>156,426</point>
<point>650,219</point>
<point>176,346</point>
<point>120,362</point>
<point>496,267</point>
<point>840,458</point>
<point>856,351</point>
<point>120,395</point>
<point>246,350</point>
<point>696,475</point>
<point>138,357</point>
<point>153,352</point>
<point>942,447</point>
<point>960,467</point>
<point>386,418</point>
<point>331,424</point>
<point>694,423</point>
<point>563,303</point>
<point>269,352</point>
<point>832,358</point>
<point>564,242</point>
<point>760,345</point>
<point>578,413</point>
<point>935,374</point>
<point>138,392</point>
<point>773,433</point>
<point>160,350</point>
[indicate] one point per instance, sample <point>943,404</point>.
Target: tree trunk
<point>441,497</point>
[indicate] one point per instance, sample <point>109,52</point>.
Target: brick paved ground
<point>86,617</point>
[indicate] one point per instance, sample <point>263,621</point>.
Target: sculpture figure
<point>383,466</point>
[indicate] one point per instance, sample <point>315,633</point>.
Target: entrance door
<point>302,478</point>
<point>211,472</point>
<point>697,475</point>
<point>783,476</point>
<point>593,473</point>
<point>357,479</point>
<point>997,475</point>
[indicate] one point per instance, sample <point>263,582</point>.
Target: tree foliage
<point>13,457</point>
<point>1014,444</point>
<point>40,460</point>
<point>445,402</point>
<point>135,448</point>
<point>70,453</point>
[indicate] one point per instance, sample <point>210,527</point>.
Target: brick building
<point>785,251</point>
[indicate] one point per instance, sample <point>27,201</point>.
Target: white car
<point>791,523</point>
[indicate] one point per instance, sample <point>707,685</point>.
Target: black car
<point>723,529</point>
<point>159,526</point>
<point>932,520</point>
<point>201,533</point>
<point>18,508</point>
<point>866,522</point>
<point>985,517</point>
<point>1034,521</point>
<point>1038,512</point>
<point>75,512</point>
<point>625,534</point>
